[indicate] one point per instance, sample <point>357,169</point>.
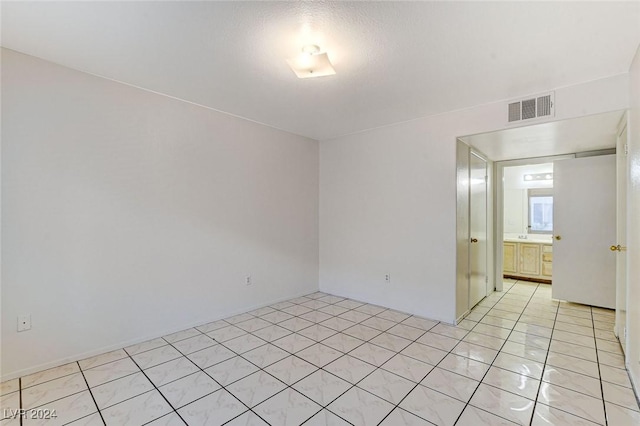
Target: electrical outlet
<point>24,322</point>
<point>387,278</point>
<point>247,280</point>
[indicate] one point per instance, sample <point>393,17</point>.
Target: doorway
<point>538,143</point>
<point>524,219</point>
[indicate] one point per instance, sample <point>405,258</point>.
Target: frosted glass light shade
<point>314,65</point>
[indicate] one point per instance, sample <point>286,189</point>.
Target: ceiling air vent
<point>541,106</point>
<point>514,112</point>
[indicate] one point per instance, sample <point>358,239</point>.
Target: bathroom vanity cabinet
<point>528,260</point>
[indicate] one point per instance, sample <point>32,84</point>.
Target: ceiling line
<point>161,94</point>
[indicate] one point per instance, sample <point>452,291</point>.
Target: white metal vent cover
<point>530,108</point>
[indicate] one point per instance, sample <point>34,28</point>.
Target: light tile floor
<point>519,357</point>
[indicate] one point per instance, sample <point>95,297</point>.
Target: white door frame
<point>498,215</point>
<point>622,178</point>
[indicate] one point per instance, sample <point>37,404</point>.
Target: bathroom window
<point>541,211</point>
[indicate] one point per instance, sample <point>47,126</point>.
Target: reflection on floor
<point>519,357</point>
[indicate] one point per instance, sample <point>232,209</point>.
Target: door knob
<point>558,237</point>
<point>617,248</point>
<point>474,240</point>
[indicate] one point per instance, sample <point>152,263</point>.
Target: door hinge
<point>626,149</point>
<point>486,280</point>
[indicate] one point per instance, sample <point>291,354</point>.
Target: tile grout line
<point>451,351</point>
<point>564,387</point>
<point>351,385</point>
<point>323,407</point>
<point>597,362</point>
<point>201,370</point>
<point>499,350</point>
<point>396,354</point>
<point>425,376</point>
<point>154,387</point>
<point>217,342</point>
<point>468,402</point>
<point>544,367</point>
<point>290,354</point>
<point>61,397</point>
<point>434,367</point>
<point>595,342</point>
<point>90,393</point>
<point>222,387</point>
<point>262,368</point>
<point>316,342</point>
<point>127,355</point>
<point>355,385</point>
<point>343,353</point>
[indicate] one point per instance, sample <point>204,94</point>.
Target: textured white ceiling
<point>394,60</point>
<point>582,134</point>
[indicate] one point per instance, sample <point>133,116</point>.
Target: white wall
<point>128,215</point>
<point>633,228</point>
<point>388,201</point>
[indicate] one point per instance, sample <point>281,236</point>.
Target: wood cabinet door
<point>510,257</point>
<point>529,259</point>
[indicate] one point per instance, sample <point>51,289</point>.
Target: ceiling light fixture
<point>311,63</point>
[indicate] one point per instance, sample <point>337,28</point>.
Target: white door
<point>621,240</point>
<point>478,230</point>
<point>584,216</point>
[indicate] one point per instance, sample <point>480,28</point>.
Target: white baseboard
<point>123,344</point>
<point>634,385</point>
<point>461,317</point>
<point>401,309</point>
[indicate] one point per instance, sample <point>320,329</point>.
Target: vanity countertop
<point>534,239</point>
